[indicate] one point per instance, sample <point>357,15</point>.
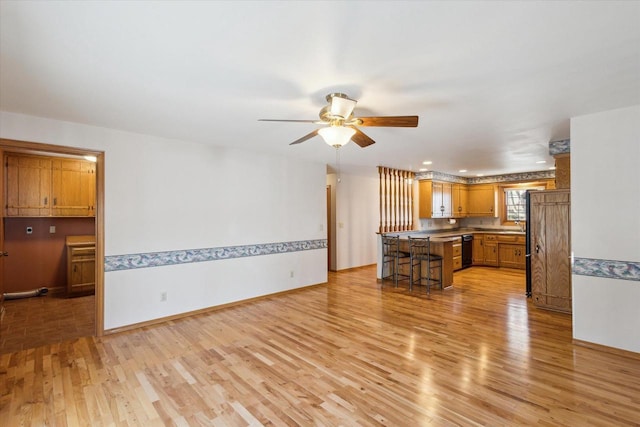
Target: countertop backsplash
<point>484,223</point>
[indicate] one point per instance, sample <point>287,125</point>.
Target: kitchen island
<point>442,246</point>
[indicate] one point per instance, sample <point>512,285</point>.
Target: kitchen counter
<point>442,244</point>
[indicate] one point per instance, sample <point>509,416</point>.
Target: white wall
<point>165,195</point>
<point>605,224</point>
<point>357,219</point>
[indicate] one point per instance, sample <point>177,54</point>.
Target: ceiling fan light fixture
<point>336,136</point>
<point>342,106</point>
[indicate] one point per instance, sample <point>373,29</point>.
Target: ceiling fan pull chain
<point>338,162</point>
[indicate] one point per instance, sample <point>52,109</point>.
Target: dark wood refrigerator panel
<point>550,249</point>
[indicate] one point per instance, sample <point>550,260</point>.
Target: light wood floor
<point>347,353</point>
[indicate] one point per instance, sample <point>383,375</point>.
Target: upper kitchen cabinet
<point>435,199</point>
<point>441,200</point>
<point>28,185</point>
<point>460,200</point>
<point>425,199</point>
<point>482,200</point>
<point>49,186</point>
<point>74,187</point>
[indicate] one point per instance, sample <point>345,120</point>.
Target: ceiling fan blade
<point>319,122</point>
<point>360,138</point>
<point>390,121</point>
<point>304,138</point>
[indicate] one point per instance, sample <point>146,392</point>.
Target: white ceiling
<point>492,82</point>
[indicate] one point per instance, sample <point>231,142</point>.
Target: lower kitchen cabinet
<point>478,249</point>
<point>511,255</point>
<point>81,265</point>
<point>457,255</point>
<point>499,250</point>
<point>490,250</point>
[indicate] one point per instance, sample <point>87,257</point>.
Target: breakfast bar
<point>442,246</point>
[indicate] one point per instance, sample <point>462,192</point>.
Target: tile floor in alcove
<point>32,322</point>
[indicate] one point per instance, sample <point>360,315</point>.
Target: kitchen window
<point>513,201</point>
<point>515,204</point>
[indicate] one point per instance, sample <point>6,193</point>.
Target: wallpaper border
<point>159,259</point>
<point>609,269</point>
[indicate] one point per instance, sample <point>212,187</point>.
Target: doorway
<point>33,148</point>
<point>329,241</point>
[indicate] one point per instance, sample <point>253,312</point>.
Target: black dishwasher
<point>467,248</point>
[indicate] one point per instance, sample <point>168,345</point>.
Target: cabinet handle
<point>75,268</point>
<point>4,253</point>
<point>537,248</point>
<point>55,201</point>
<point>46,199</point>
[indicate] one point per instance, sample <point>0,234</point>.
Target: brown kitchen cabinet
<point>28,185</point>
<point>81,265</point>
<point>459,200</point>
<point>550,214</point>
<point>435,199</point>
<point>73,184</point>
<point>511,255</point>
<point>511,251</point>
<point>490,250</point>
<point>39,186</point>
<point>478,249</point>
<point>457,254</point>
<point>482,200</point>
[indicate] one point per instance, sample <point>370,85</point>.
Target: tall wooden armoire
<point>550,250</point>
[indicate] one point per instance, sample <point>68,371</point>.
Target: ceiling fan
<point>342,126</point>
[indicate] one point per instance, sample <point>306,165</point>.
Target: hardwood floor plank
<point>352,352</point>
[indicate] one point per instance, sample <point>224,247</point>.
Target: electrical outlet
<point>52,229</point>
<point>163,296</point>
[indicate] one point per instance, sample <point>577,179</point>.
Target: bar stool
<point>420,252</point>
<point>393,258</point>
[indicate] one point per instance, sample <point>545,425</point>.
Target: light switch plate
<point>52,229</point>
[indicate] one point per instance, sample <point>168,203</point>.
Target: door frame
<point>28,147</point>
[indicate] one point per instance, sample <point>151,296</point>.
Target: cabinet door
<point>425,199</point>
<point>447,201</point>
<point>28,185</point>
<point>491,250</point>
<point>511,255</point>
<point>491,253</point>
<point>73,184</point>
<point>437,206</point>
<point>81,270</point>
<point>478,250</point>
<point>482,200</point>
<point>459,197</point>
<point>550,250</point>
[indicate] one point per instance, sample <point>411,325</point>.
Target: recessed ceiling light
<point>462,170</point>
<point>541,162</point>
<point>480,174</point>
<point>552,168</point>
<point>428,162</point>
<point>423,169</point>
